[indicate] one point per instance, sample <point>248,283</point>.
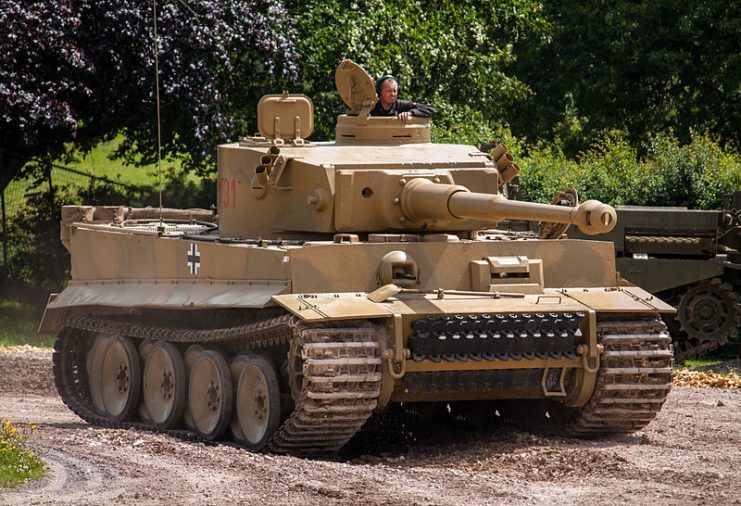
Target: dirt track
<point>690,454</point>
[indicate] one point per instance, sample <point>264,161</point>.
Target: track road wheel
<point>257,401</point>
<point>94,364</point>
<point>120,378</point>
<point>164,385</point>
<point>144,349</point>
<point>210,393</point>
<point>191,354</point>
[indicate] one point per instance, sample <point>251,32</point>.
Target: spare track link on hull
<point>341,376</point>
<point>634,378</point>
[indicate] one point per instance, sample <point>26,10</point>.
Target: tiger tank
<point>337,280</point>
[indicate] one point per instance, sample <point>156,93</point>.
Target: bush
<point>545,171</point>
<point>36,255</point>
<point>699,175</point>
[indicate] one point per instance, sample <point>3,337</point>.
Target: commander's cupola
<point>358,91</point>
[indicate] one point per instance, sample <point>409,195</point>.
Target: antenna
<point>157,94</point>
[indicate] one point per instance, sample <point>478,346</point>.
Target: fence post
<point>5,237</point>
<point>3,271</point>
<point>49,167</point>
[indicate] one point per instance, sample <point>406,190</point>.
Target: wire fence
<point>16,194</point>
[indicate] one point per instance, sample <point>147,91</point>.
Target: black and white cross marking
<point>194,259</point>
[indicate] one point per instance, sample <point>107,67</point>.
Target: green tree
<point>642,67</point>
<point>83,71</point>
<point>450,54</point>
<point>698,175</point>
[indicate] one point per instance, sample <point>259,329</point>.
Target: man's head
<point>388,90</point>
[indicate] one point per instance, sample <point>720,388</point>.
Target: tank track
<point>339,384</point>
<point>685,349</point>
<point>634,378</point>
<point>632,383</point>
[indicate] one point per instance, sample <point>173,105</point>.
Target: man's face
<point>389,92</point>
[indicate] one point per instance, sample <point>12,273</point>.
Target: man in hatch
<point>388,103</point>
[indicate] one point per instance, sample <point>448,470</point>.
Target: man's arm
<point>417,109</point>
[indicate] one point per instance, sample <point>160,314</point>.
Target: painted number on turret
<point>228,192</point>
<point>194,259</point>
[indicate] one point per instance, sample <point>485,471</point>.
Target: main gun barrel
<point>423,200</point>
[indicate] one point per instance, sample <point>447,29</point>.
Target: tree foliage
<point>642,67</point>
<point>450,54</point>
<point>698,175</point>
<point>83,71</point>
<point>36,255</point>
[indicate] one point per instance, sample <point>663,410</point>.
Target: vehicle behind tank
<point>690,259</point>
<point>342,278</point>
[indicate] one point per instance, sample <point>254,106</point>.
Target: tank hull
<point>566,336</point>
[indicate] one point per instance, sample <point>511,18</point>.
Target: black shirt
<point>418,110</point>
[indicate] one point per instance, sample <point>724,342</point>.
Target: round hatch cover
<point>356,87</point>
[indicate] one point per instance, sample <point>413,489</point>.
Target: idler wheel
<point>210,393</point>
<point>120,378</point>
<point>257,401</point>
<point>164,385</point>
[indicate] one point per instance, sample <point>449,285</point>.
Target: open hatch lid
<point>356,88</point>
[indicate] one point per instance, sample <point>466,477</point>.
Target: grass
<point>18,324</point>
<point>730,351</point>
<point>98,162</point>
<point>18,464</point>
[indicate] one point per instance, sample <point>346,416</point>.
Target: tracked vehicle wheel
<point>709,311</point>
<point>144,348</point>
<point>257,401</point>
<point>94,363</point>
<point>210,394</point>
<point>164,385</point>
<point>191,354</point>
<point>120,378</point>
<point>338,394</point>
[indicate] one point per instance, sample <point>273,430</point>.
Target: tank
<point>338,280</point>
<point>690,259</point>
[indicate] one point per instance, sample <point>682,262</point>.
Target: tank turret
<point>379,175</point>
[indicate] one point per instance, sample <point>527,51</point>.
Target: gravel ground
<point>691,453</point>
